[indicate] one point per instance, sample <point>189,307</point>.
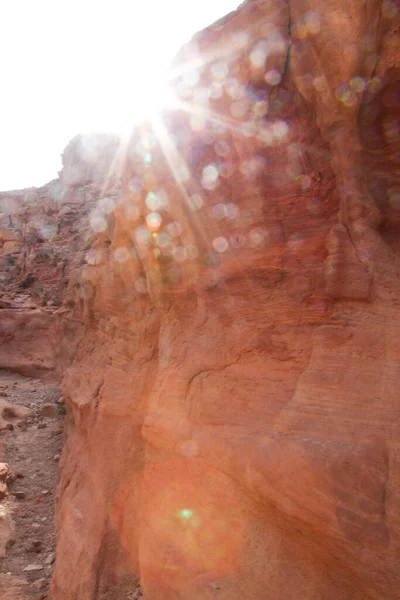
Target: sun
<point>146,106</point>
<point>89,66</point>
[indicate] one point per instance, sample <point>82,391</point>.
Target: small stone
<point>4,471</point>
<point>34,546</point>
<point>50,559</point>
<point>38,585</point>
<point>3,490</point>
<point>10,427</point>
<point>57,431</point>
<point>35,526</point>
<point>10,542</point>
<point>45,492</point>
<point>31,568</point>
<point>42,426</point>
<point>19,475</point>
<point>19,495</point>
<point>48,411</point>
<point>56,457</point>
<point>43,519</point>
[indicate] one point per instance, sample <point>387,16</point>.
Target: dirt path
<point>30,444</point>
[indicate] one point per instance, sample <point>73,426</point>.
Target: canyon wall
<point>44,235</point>
<point>232,306</point>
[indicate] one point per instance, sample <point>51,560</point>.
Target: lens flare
<point>186,514</point>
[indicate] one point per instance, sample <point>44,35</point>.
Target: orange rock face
<point>233,406</point>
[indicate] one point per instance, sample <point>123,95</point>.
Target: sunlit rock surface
<point>233,406</point>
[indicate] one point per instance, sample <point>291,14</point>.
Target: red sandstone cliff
<point>233,426</point>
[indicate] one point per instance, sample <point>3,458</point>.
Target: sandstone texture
<point>231,320</point>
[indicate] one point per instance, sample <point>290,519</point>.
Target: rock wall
<point>44,235</point>
<point>233,403</point>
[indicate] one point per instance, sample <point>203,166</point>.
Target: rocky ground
<point>31,426</point>
<point>31,429</point>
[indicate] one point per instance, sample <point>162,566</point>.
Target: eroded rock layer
<point>44,235</point>
<point>233,426</point>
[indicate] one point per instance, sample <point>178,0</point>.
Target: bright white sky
<point>71,66</point>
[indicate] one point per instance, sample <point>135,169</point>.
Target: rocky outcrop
<point>232,404</point>
<point>44,235</point>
